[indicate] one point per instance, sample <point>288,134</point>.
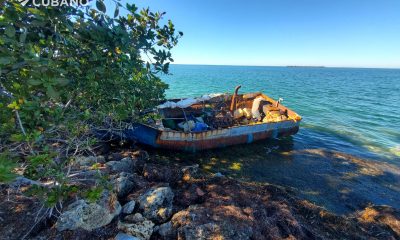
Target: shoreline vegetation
<point>149,200</point>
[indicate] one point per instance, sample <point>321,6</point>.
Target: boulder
<point>204,222</point>
<point>85,161</point>
<point>156,204</point>
<point>165,231</point>
<point>128,207</point>
<point>89,160</point>
<point>114,157</point>
<point>100,159</point>
<point>133,218</point>
<point>201,232</point>
<point>141,228</point>
<point>88,216</point>
<point>123,165</point>
<point>190,172</point>
<point>214,230</point>
<point>123,184</point>
<point>124,236</point>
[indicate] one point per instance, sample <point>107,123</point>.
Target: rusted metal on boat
<point>225,137</point>
<point>233,102</point>
<point>217,138</point>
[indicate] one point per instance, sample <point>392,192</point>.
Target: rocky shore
<point>147,200</point>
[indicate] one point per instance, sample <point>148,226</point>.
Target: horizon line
<point>288,66</point>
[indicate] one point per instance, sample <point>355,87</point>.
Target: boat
<point>215,121</point>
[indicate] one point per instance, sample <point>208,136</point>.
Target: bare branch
<point>20,122</point>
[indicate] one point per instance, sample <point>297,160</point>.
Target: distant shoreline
<point>287,66</point>
<point>305,66</point>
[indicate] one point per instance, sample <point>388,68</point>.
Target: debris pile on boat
<point>219,111</point>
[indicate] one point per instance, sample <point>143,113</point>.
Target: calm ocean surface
<point>350,111</point>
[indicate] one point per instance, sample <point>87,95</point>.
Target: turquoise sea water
<point>355,112</point>
<point>351,110</point>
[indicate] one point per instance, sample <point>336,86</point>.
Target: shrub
<point>65,69</point>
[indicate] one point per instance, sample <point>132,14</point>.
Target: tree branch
<point>20,123</point>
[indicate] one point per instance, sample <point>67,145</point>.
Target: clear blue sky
<point>348,33</point>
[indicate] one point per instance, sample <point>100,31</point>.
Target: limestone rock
<point>156,204</point>
<point>200,222</point>
<point>142,228</point>
<point>85,161</point>
<point>115,156</point>
<point>82,214</point>
<point>124,236</point>
<point>89,160</point>
<point>133,218</point>
<point>190,172</point>
<point>123,165</point>
<point>123,183</point>
<point>201,232</point>
<point>165,231</point>
<point>100,159</point>
<point>128,207</point>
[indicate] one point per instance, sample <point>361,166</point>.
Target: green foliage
<point>64,69</point>
<point>51,196</point>
<point>55,54</point>
<point>94,194</point>
<point>150,117</point>
<point>41,166</point>
<point>7,166</point>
